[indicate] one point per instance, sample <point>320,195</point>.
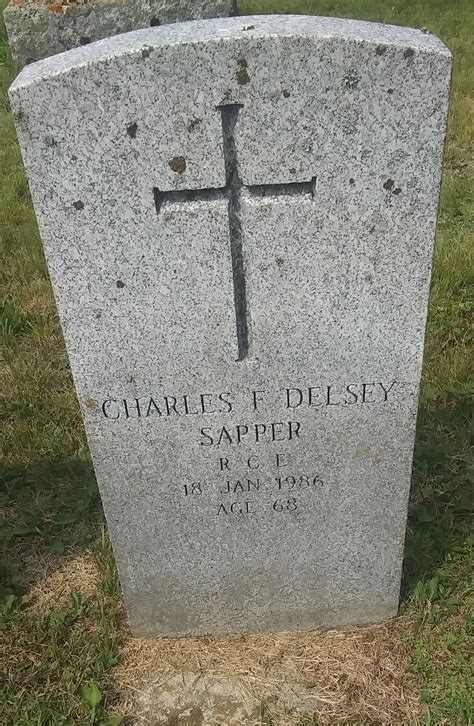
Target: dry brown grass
<point>51,578</point>
<point>352,675</point>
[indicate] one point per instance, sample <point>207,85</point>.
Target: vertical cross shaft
<point>234,185</point>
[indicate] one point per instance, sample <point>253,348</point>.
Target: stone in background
<point>37,29</point>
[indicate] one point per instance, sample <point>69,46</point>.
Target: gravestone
<point>238,217</point>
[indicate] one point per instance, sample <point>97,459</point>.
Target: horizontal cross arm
<point>278,190</point>
<point>187,195</point>
<point>293,189</point>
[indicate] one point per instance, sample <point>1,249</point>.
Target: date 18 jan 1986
<point>280,485</point>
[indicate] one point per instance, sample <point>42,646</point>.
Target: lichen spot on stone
<point>351,79</point>
<point>409,53</point>
<point>389,184</point>
<point>380,49</point>
<point>132,130</point>
<point>242,74</point>
<point>78,205</point>
<point>19,115</point>
<point>177,164</point>
<point>285,93</point>
<point>120,284</point>
<point>194,123</point>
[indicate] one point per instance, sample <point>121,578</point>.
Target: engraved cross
<point>232,192</point>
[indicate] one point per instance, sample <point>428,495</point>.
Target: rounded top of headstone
<point>220,29</point>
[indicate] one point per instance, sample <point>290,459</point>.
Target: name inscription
<point>224,403</point>
<point>283,491</point>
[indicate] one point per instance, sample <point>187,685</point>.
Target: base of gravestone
<point>41,28</point>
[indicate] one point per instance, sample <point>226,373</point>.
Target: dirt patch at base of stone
<point>192,699</point>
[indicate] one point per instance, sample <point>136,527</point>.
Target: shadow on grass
<point>47,507</point>
<point>441,499</point>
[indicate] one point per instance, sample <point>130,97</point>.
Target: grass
<point>61,613</point>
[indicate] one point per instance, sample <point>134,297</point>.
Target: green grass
<point>58,658</point>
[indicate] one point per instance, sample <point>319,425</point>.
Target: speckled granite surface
<point>238,217</point>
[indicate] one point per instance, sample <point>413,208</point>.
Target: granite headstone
<point>238,217</point>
